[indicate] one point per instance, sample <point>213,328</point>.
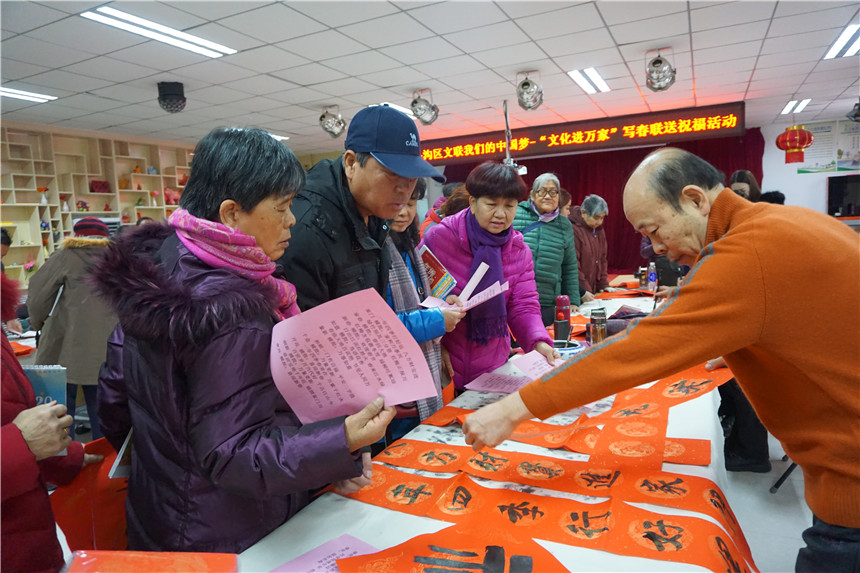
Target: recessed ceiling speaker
<point>171,96</point>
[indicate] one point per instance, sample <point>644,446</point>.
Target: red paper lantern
<point>793,141</point>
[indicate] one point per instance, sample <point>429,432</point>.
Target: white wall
<point>804,190</point>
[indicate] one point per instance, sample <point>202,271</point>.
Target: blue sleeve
<point>423,324</point>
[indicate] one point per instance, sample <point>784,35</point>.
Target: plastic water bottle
<point>652,277</point>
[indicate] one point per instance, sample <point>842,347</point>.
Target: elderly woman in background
<point>483,234</point>
<point>590,239</point>
<point>550,238</point>
<point>743,183</point>
<point>408,285</point>
<point>220,460</point>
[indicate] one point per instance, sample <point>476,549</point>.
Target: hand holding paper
<point>368,426</point>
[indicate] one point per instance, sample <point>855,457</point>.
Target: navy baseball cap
<point>392,139</point>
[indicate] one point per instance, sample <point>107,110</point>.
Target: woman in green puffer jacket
<point>550,238</point>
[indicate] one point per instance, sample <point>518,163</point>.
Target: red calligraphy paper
<point>91,509</point>
<point>688,451</point>
<point>634,440</point>
<point>401,491</point>
<point>151,562</point>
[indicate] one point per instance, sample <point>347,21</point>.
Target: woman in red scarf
<point>220,459</point>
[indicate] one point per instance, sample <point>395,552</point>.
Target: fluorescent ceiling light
<point>280,137</point>
<point>595,78</point>
<point>27,96</point>
<point>855,47</point>
<point>800,107</point>
<point>842,40</point>
<point>582,82</point>
<point>159,32</point>
<point>788,107</point>
<point>399,108</point>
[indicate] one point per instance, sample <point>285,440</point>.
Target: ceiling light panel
<point>156,31</point>
<point>788,107</point>
<point>844,38</point>
<point>802,105</point>
<point>26,96</point>
<point>589,80</point>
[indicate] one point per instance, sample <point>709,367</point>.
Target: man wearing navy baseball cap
<point>343,211</point>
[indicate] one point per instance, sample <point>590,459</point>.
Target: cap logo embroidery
<point>413,142</point>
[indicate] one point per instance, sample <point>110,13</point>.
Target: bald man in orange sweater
<point>755,269</point>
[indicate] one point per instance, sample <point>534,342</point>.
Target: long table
<point>332,515</point>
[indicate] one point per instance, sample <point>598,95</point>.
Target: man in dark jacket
<point>343,211</point>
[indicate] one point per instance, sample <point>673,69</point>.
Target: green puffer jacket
<point>553,253</point>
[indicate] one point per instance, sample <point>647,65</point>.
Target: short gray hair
<point>594,205</point>
<point>543,178</point>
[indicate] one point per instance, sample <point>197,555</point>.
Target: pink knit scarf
<point>221,247</point>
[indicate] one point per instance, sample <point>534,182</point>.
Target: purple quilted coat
<point>450,243</point>
<point>219,460</point>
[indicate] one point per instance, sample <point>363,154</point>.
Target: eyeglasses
<point>546,193</point>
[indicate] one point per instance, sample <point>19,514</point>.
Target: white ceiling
<point>294,58</point>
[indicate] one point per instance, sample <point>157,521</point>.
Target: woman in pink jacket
<point>483,233</point>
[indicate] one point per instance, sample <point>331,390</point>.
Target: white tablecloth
<point>331,515</point>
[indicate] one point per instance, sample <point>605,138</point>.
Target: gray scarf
<point>405,298</point>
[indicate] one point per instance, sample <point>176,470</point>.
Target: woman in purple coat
<point>219,459</point>
<point>482,233</point>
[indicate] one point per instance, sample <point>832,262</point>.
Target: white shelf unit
<point>46,183</point>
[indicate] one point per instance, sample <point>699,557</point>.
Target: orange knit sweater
<point>777,293</point>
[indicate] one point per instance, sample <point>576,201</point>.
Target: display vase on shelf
<point>43,191</point>
<point>66,206</point>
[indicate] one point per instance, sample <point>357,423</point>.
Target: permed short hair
<point>245,165</point>
<point>496,181</point>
